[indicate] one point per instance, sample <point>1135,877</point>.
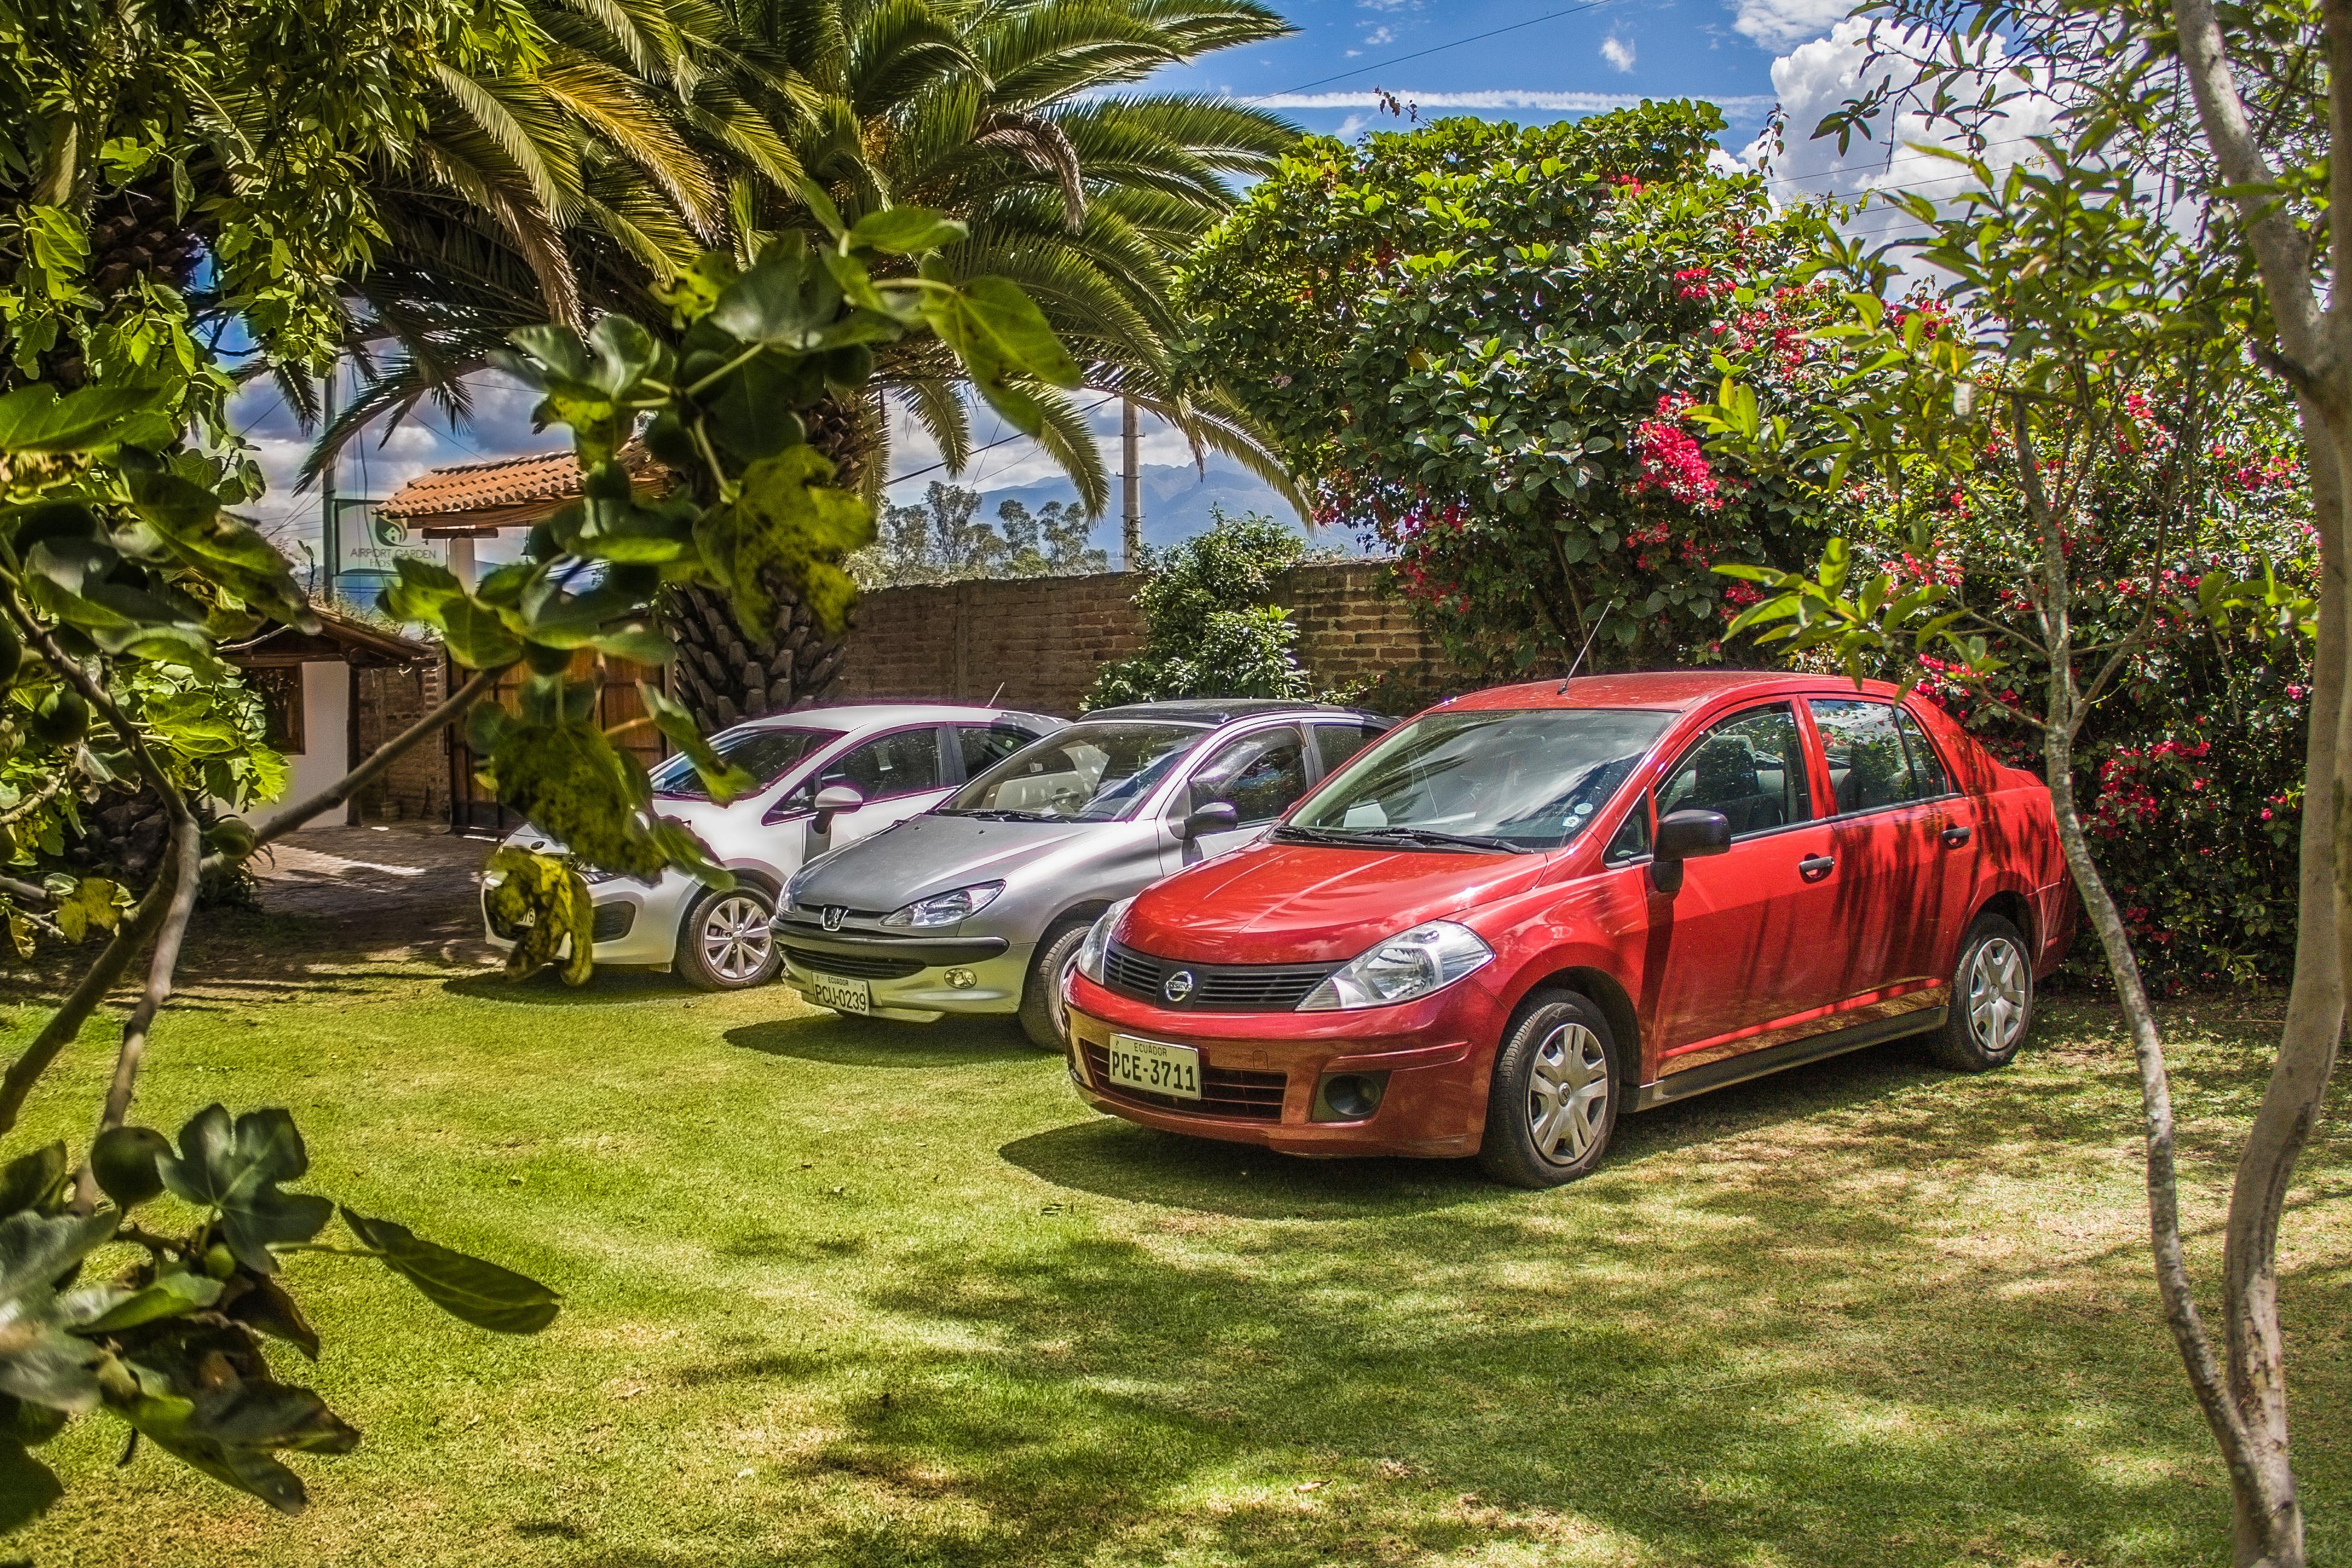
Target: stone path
<point>401,885</point>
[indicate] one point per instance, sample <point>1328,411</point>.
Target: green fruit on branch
<point>231,838</point>
<point>220,1261</point>
<point>61,718</point>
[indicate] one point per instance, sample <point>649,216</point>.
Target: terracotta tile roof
<point>543,479</point>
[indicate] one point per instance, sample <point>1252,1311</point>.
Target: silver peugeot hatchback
<point>980,905</point>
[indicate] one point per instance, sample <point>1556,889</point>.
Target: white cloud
<point>1777,24</point>
<point>1617,51</point>
<point>1819,76</point>
<point>1378,37</point>
<point>1737,106</point>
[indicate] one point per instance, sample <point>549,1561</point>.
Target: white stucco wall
<point>326,753</point>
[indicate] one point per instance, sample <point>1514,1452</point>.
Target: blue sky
<point>1536,64</point>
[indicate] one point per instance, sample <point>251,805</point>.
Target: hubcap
<point>1998,988</point>
<point>1568,1093</point>
<point>735,939</point>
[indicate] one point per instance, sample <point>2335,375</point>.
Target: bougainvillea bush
<point>2191,772</point>
<point>1478,343</point>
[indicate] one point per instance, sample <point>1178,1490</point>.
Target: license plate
<point>841,995</point>
<point>1152,1066</point>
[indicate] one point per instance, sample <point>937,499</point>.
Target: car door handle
<point>1813,868</point>
<point>1954,837</point>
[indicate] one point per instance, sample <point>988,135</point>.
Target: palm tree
<point>658,126</point>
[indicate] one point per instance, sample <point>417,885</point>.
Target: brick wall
<point>1037,643</point>
<point>416,787</point>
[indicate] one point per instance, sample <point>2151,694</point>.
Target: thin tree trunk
<point>64,1025</point>
<point>187,860</point>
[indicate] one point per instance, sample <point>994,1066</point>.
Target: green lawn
<point>843,1294</point>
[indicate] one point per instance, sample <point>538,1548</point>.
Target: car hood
<point>933,854</point>
<point>1288,903</point>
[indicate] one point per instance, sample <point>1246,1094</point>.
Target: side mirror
<point>1217,817</point>
<point>1683,834</point>
<point>833,800</point>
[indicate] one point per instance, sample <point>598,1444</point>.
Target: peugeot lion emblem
<point>1179,986</point>
<point>832,916</point>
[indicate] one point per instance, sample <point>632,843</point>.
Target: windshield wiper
<point>996,815</point>
<point>1424,837</point>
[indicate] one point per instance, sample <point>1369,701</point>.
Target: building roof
<point>340,638</point>
<point>512,492</point>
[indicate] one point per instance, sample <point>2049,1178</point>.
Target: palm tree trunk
<point>724,676</point>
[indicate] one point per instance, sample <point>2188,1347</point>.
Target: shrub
<point>1208,629</point>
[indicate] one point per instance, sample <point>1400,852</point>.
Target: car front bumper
<point>635,923</point>
<point>1438,1055</point>
<point>908,977</point>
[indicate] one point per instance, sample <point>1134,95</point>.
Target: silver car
<point>980,905</point>
<point>828,776</point>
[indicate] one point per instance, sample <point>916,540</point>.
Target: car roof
<point>875,715</point>
<point>1677,690</point>
<point>1220,710</point>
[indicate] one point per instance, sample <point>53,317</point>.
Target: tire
<point>1042,1018</point>
<point>1553,1105</point>
<point>724,943</point>
<point>1992,1000</point>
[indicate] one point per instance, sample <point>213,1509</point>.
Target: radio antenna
<point>994,695</point>
<point>1581,653</point>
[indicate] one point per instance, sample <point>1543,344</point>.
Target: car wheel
<point>1991,1000</point>
<point>1553,1105</point>
<point>1042,1017</point>
<point>725,943</point>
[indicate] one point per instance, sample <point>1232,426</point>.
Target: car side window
<point>1869,765</point>
<point>905,763</point>
<point>1260,774</point>
<point>985,745</point>
<point>1631,839</point>
<point>1750,767</point>
<point>1928,772</point>
<point>1335,743</point>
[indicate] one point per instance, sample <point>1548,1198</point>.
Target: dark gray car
<point>979,906</point>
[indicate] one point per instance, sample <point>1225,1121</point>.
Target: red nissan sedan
<point>1530,909</point>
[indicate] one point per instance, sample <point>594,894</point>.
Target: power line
<point>976,451</point>
<point>1433,49</point>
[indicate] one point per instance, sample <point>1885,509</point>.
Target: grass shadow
<point>547,989</point>
<point>838,1041</point>
<point>1115,1158</point>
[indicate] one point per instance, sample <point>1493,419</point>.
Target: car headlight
<point>1402,968</point>
<point>944,909</point>
<point>792,889</point>
<point>593,875</point>
<point>1092,952</point>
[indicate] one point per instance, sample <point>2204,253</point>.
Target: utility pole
<point>1131,484</point>
<point>330,528</point>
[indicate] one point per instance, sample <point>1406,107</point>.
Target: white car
<point>828,776</point>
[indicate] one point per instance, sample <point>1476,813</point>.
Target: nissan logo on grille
<point>1179,985</point>
<point>832,916</point>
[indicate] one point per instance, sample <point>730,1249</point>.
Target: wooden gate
<point>473,809</point>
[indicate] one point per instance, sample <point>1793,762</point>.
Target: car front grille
<point>1216,987</point>
<point>1224,1091</point>
<point>856,965</point>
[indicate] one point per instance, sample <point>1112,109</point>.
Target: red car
<point>1532,908</point>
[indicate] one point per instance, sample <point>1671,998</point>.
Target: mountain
<point>1176,502</point>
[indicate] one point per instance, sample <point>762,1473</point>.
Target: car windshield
<point>1486,778</point>
<point>1087,773</point>
<point>766,752</point>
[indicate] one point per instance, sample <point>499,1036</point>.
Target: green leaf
<point>90,905</point>
<point>724,781</point>
<point>904,231</point>
<point>34,1180</point>
<point>475,635</point>
<point>482,1294</point>
<point>40,1363</point>
<point>820,205</point>
<point>170,1296</point>
<point>234,1169</point>
<point>208,1400</point>
<point>36,419</point>
<point>999,311</point>
<point>788,518</point>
